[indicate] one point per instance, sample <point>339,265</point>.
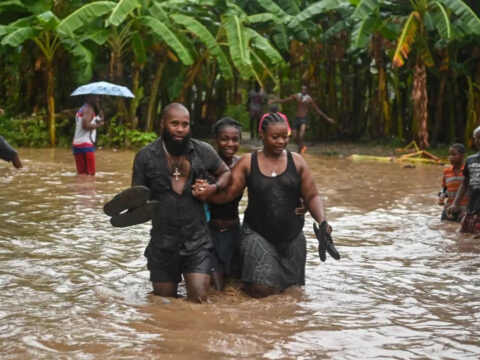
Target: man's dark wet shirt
<point>471,171</point>
<point>179,221</point>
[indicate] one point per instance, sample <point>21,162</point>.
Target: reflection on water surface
<point>72,286</point>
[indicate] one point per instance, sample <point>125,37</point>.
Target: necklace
<point>177,165</point>
<point>274,174</point>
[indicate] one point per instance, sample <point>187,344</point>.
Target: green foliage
<point>29,131</point>
<point>138,139</point>
<point>239,113</point>
<point>118,136</point>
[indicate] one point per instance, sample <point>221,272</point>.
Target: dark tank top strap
<point>254,163</point>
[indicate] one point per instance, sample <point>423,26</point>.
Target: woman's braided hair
<point>271,118</point>
<point>227,121</point>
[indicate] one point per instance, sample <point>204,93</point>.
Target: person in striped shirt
<point>452,178</point>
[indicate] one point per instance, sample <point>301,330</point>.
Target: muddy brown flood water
<point>74,287</point>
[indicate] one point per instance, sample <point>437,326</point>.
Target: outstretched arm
<point>320,112</point>
<point>290,98</point>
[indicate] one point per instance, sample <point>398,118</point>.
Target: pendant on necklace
<point>274,173</point>
<point>176,173</point>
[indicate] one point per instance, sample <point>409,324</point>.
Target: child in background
<point>470,183</point>
<point>451,181</point>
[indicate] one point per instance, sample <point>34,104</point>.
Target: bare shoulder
<point>299,161</point>
<point>245,160</point>
<point>297,158</point>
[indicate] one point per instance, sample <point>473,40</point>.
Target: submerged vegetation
<point>395,70</point>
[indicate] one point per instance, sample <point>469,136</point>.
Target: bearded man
<point>180,241</point>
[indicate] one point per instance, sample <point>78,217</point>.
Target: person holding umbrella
<point>88,118</point>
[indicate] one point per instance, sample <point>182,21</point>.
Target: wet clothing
<point>451,181</point>
<point>85,163</point>
<point>471,224</point>
<point>84,144</point>
<point>471,171</point>
<point>227,211</point>
<point>226,242</point>
<point>299,121</point>
<point>167,266</point>
<point>272,202</point>
<point>178,223</point>
<point>7,153</point>
<point>279,266</point>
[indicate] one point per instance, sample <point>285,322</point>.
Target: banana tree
<point>50,33</point>
<point>371,30</point>
<point>446,17</point>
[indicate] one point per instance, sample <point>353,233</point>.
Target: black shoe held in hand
<point>130,198</point>
<point>135,216</point>
<point>325,242</point>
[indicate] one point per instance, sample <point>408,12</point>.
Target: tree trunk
<point>420,102</point>
<point>384,114</point>
<point>398,102</point>
<point>51,103</point>
<point>152,102</point>
<point>439,108</point>
<point>138,96</point>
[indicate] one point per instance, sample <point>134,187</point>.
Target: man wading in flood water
<point>304,103</point>
<point>180,241</point>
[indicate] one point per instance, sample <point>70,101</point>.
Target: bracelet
<point>217,188</point>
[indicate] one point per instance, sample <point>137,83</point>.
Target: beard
<point>175,147</point>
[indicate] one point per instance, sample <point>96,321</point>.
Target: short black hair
<point>227,121</point>
<point>459,147</point>
<point>271,118</point>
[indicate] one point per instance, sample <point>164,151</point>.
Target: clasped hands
<point>202,190</point>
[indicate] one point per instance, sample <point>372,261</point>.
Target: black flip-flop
<point>325,242</point>
<point>131,198</point>
<point>140,215</point>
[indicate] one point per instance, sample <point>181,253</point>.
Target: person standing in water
<point>273,246</point>
<point>224,221</point>
<point>470,183</point>
<point>88,118</point>
<point>452,178</point>
<point>180,242</point>
<point>304,105</point>
<point>256,99</point>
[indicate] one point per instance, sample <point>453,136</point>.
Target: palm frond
<point>406,39</point>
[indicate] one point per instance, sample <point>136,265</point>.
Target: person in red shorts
<point>471,183</point>
<point>452,178</point>
<point>88,118</point>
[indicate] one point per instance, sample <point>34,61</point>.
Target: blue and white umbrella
<point>103,88</point>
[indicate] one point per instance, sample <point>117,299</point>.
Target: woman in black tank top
<point>273,247</point>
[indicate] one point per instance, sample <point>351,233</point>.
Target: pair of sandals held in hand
<point>325,242</point>
<point>130,207</point>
